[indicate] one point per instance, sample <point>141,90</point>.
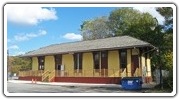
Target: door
<point>104,63</point>
<point>134,64</point>
<point>58,62</point>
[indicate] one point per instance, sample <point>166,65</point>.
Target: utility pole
<point>7,65</point>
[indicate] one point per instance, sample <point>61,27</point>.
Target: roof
<point>89,45</point>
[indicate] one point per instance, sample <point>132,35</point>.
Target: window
<point>78,61</point>
<point>123,58</point>
<point>41,63</point>
<point>58,61</point>
<point>58,67</point>
<point>96,56</point>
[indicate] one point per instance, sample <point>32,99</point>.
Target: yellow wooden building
<point>94,61</point>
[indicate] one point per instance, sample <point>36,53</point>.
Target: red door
<point>134,64</point>
<point>104,63</point>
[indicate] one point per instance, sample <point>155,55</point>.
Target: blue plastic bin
<point>131,83</point>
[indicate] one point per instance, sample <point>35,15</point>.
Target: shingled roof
<point>120,42</point>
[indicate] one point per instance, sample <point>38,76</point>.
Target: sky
<point>30,28</point>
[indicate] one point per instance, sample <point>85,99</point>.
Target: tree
<point>19,64</point>
<point>127,21</point>
<point>167,46</point>
<point>167,12</point>
<point>95,29</point>
<point>124,21</point>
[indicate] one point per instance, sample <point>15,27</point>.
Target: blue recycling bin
<point>131,83</point>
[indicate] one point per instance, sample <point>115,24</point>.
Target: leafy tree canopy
<point>17,64</point>
<point>95,29</point>
<point>127,21</point>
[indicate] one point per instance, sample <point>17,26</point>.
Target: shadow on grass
<point>160,89</point>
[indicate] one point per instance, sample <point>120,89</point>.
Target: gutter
<point>154,48</point>
<point>89,50</point>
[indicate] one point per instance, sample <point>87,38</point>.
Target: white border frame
<point>91,94</point>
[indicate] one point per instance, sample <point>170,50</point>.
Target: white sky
<point>153,12</point>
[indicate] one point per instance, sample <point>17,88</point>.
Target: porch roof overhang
<point>113,43</point>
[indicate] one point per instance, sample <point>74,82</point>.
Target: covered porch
<point>108,76</point>
<point>107,58</point>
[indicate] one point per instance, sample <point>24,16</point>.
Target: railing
<point>45,75</point>
<point>51,75</point>
<point>31,73</point>
<point>80,73</point>
<point>92,73</point>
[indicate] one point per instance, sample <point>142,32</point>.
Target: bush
<point>168,82</point>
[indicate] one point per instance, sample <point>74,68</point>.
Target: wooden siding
<point>113,63</point>
<point>129,62</point>
<point>67,61</point>
<point>49,63</point>
<point>87,64</point>
<point>148,66</point>
<point>34,63</point>
<point>114,68</point>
